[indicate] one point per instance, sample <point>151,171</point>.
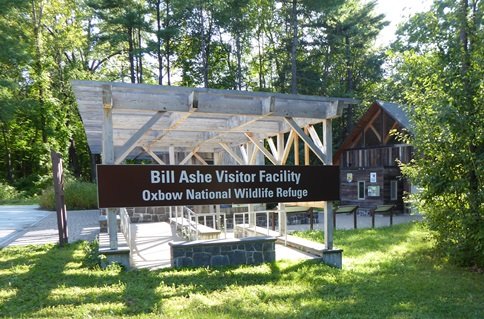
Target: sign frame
<point>175,185</point>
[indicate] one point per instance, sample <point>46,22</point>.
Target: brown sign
<point>160,185</point>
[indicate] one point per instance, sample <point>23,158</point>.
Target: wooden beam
<point>253,151</point>
<point>378,136</point>
<point>280,147</point>
<point>309,142</point>
<point>306,148</point>
<point>314,135</point>
<point>328,206</point>
<point>154,156</point>
<point>107,96</point>
<point>136,137</point>
<point>273,148</point>
<point>287,148</point>
<point>176,119</point>
<point>388,136</point>
<point>190,155</point>
<point>232,153</point>
<point>328,140</point>
<point>108,158</point>
<point>261,148</point>
<point>171,153</point>
<point>200,159</point>
<point>296,148</point>
<point>244,151</point>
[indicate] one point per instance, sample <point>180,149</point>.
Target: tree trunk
<point>239,62</point>
<point>74,165</point>
<point>158,43</point>
<point>261,73</point>
<point>294,47</point>
<point>140,58</point>
<point>8,155</point>
<point>349,84</point>
<point>131,55</point>
<point>468,101</point>
<point>39,70</point>
<point>167,43</point>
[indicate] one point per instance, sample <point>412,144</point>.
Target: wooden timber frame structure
<point>122,120</point>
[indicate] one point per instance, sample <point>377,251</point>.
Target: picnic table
<point>346,209</point>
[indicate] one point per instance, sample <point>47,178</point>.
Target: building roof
<point>393,110</point>
<point>397,112</point>
<point>155,118</point>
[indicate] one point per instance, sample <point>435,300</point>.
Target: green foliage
<point>77,195</point>
<point>8,192</point>
<point>388,273</point>
<point>440,72</point>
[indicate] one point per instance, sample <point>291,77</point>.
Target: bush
<point>77,195</point>
<point>8,192</point>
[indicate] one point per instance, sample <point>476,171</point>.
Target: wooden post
<point>328,206</point>
<point>372,212</point>
<point>311,218</point>
<point>306,149</point>
<point>58,174</point>
<point>108,158</point>
<point>296,150</point>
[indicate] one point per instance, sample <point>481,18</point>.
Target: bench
<point>383,209</point>
<point>346,209</point>
<point>200,231</point>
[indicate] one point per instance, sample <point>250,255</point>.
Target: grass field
<point>387,273</point>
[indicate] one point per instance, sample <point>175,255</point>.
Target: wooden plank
<point>58,179</point>
<point>136,137</point>
<point>287,147</point>
<point>153,155</point>
<point>261,148</point>
<point>273,148</point>
<point>189,156</point>
<point>309,142</point>
<point>328,141</point>
<point>296,149</point>
<point>314,135</point>
<point>232,153</point>
<point>200,159</point>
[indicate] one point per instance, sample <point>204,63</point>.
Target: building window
<point>393,190</point>
<point>361,189</point>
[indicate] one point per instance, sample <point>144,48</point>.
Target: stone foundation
<point>245,251</point>
<point>149,214</point>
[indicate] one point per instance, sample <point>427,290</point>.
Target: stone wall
<point>244,251</point>
<point>149,214</point>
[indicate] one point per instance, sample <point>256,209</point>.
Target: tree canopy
<point>439,74</point>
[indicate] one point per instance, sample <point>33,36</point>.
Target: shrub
<point>8,192</point>
<point>77,195</point>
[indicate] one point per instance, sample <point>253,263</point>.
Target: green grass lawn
<point>387,273</point>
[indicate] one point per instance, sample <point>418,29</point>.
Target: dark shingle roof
<point>396,111</point>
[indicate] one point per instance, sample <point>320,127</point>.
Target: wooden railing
<point>376,157</point>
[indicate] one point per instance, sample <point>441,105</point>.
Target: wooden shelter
<point>179,126</point>
<point>369,156</point>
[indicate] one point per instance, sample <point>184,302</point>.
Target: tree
<point>440,60</point>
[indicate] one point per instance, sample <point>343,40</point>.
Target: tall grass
<point>77,195</point>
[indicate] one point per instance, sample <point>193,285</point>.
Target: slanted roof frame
<point>156,118</point>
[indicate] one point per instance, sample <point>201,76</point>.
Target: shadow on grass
<point>43,268</point>
<point>405,283</point>
<point>52,277</point>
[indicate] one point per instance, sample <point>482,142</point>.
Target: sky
<point>397,11</point>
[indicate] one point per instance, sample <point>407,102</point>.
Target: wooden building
<point>369,156</point>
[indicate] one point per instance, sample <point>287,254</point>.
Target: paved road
<point>26,225</point>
